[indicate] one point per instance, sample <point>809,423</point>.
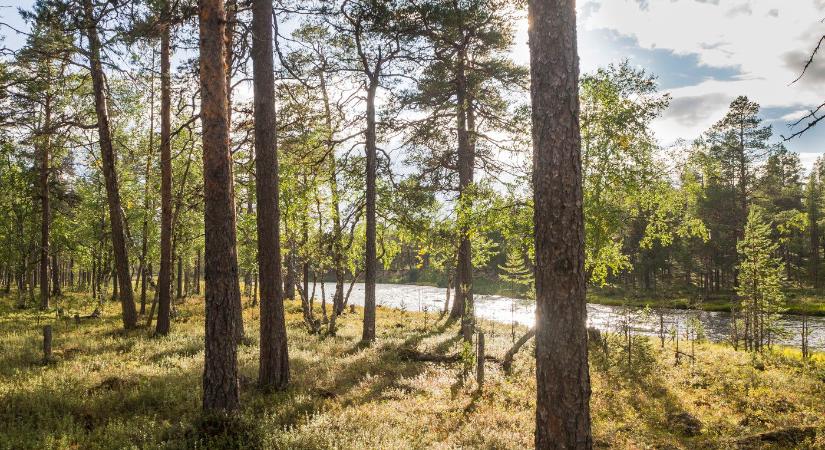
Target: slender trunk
<point>163,324</point>
<point>179,278</point>
<point>187,289</point>
<point>198,273</point>
<point>220,373</point>
<point>45,207</point>
<point>813,225</point>
<point>109,171</point>
<point>229,55</point>
<point>56,291</point>
<point>562,373</point>
<point>463,304</point>
<point>274,358</point>
<point>337,235</point>
<point>289,284</point>
<point>144,249</point>
<point>368,334</point>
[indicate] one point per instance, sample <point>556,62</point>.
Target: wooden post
<point>480,361</point>
<point>47,343</point>
<point>805,336</point>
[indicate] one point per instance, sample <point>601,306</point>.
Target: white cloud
<point>766,40</point>
<point>794,116</point>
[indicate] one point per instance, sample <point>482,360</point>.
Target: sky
<point>704,52</point>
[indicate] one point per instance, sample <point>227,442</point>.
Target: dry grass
<point>111,389</point>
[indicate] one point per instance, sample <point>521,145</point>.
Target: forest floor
<point>107,388</point>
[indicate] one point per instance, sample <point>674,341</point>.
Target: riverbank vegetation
<point>106,388</point>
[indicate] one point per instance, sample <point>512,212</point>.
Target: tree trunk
<point>463,303</point>
<point>368,334</point>
<point>562,374</point>
<point>337,235</point>
<point>228,32</point>
<point>109,171</point>
<point>198,273</point>
<point>144,249</point>
<point>179,278</point>
<point>45,207</point>
<point>220,373</point>
<point>289,284</point>
<point>162,325</point>
<point>812,224</point>
<point>56,291</point>
<point>274,358</point>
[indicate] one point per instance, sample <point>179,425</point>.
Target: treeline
<point>386,128</point>
<point>452,162</point>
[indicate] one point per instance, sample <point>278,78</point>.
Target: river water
<point>606,318</point>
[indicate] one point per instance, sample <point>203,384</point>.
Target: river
<point>606,318</point>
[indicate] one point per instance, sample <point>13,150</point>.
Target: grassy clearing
<point>111,389</point>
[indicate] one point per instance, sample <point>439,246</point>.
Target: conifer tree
<point>760,281</point>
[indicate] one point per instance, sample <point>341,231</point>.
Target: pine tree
<point>562,373</point>
<point>813,194</point>
<point>760,281</point>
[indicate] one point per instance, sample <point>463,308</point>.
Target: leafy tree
<point>618,104</point>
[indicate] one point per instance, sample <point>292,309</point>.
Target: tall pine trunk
<point>463,305</point>
<point>144,249</point>
<point>162,324</point>
<point>274,358</point>
<point>220,373</point>
<point>229,56</point>
<point>109,171</point>
<point>562,374</point>
<point>45,207</point>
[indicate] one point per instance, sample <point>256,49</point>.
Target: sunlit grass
<point>112,389</point>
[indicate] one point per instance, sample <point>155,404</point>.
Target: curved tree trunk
<point>562,374</point>
<point>507,362</point>
<point>220,372</point>
<point>109,171</point>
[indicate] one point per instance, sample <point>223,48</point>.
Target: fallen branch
<point>410,354</point>
<point>507,363</point>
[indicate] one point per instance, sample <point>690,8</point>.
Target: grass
<point>107,388</point>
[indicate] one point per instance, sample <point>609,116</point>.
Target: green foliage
<point>760,280</point>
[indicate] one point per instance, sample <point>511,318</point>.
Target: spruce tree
<point>760,281</point>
